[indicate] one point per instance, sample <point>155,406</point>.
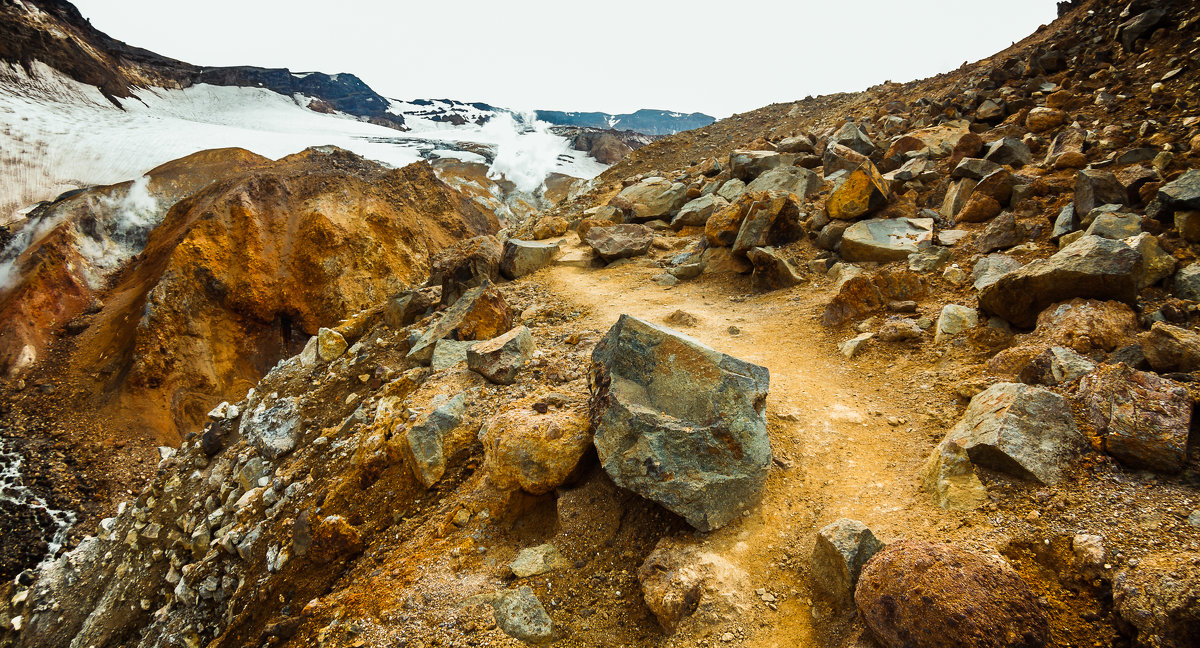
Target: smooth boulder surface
<point>619,241</point>
<point>1090,267</point>
<point>680,423</point>
<point>917,594</point>
<point>531,450</point>
<point>886,239</point>
<point>1025,431</point>
<point>525,257</point>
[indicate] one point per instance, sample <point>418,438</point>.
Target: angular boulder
<point>521,616</point>
<point>467,264</point>
<point>499,359</point>
<point>792,179</point>
<point>1171,348</point>
<point>748,165</point>
<point>1021,430</point>
<point>1094,188</point>
<point>862,192</point>
<point>927,595</point>
<point>526,257</point>
<point>330,344</point>
<point>853,138</point>
<point>271,424</point>
<point>990,268</point>
<point>619,241</point>
<point>1183,193</point>
<point>1090,267</point>
<point>771,270</point>
<point>954,320</point>
<point>424,440</point>
<point>696,212</point>
<point>771,219</point>
<point>480,314</point>
<point>841,550</point>
<point>680,423</point>
<point>1144,419</point>
<point>1009,151</point>
<point>651,198</point>
<point>886,239</point>
<point>949,476</point>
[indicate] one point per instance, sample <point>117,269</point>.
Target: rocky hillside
<point>913,367</point>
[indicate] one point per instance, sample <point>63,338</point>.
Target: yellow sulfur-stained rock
<point>863,192</point>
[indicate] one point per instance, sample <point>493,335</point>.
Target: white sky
<point>615,56</point>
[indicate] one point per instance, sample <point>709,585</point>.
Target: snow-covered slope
<point>57,134</point>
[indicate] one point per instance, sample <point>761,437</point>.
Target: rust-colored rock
<point>465,265</point>
<point>534,451</point>
<point>722,228</point>
<point>333,538</point>
<point>863,192</point>
<point>979,208</point>
<point>917,594</point>
<point>1143,419</point>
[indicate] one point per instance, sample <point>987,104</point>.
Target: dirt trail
<point>846,435</point>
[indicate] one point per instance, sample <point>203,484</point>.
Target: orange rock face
<point>240,273</point>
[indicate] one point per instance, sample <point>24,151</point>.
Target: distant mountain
<point>650,122</point>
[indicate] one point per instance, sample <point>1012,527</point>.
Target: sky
<point>616,56</point>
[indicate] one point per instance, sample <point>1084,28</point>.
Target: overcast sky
<point>615,56</point>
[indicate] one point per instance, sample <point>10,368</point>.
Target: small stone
<point>521,616</point>
<point>533,561</point>
<point>953,321</point>
<point>852,347</point>
<point>330,344</point>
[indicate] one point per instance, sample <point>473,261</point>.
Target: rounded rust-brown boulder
<point>980,208</point>
<point>917,594</point>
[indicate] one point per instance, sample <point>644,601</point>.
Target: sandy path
<point>828,419</point>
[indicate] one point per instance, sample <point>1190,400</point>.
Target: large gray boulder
<point>525,257</point>
<point>1183,193</point>
<point>619,241</point>
<point>886,239</point>
<point>853,138</point>
<point>1021,430</point>
<point>499,359</point>
<point>791,179</point>
<point>696,212</point>
<point>1090,267</point>
<point>651,198</point>
<point>748,165</point>
<point>680,423</point>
